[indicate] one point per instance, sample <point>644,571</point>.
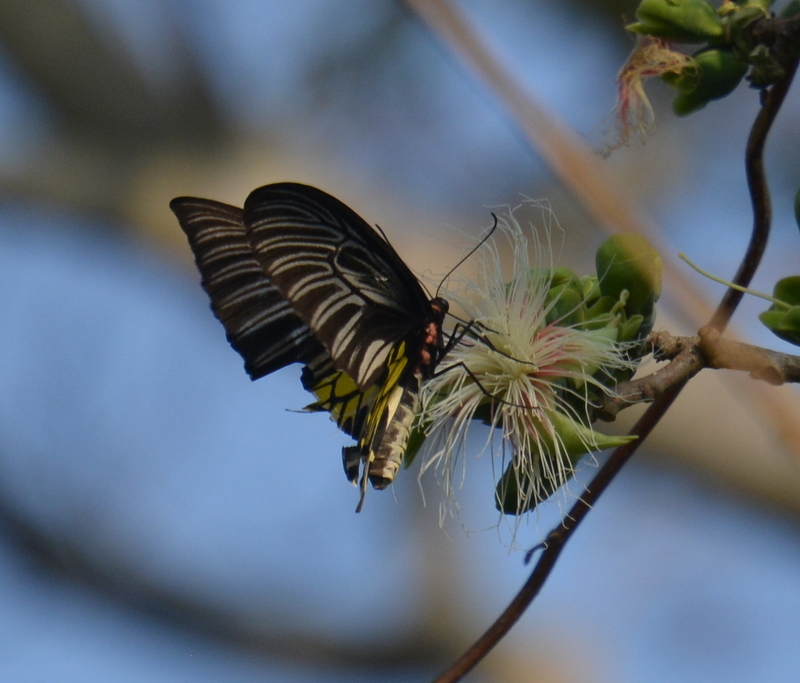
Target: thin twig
<point>759,196</point>
<point>686,360</point>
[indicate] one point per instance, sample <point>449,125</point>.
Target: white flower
<point>526,376</point>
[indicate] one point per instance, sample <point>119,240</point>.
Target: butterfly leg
<point>352,459</point>
<point>363,487</point>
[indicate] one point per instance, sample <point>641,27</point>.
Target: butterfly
<point>296,276</point>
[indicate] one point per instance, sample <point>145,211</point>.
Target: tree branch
<point>708,349</point>
<point>770,366</point>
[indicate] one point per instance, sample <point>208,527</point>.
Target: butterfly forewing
<point>346,283</point>
<point>260,323</point>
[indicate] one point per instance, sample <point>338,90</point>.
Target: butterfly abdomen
<point>401,411</point>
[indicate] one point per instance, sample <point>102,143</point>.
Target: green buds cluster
<point>620,299</point>
<point>679,21</point>
<point>618,303</point>
<point>783,317</point>
<point>726,52</point>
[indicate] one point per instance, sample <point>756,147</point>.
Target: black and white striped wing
<point>342,278</point>
<point>259,322</point>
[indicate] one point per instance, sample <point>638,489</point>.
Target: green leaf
<point>787,290</point>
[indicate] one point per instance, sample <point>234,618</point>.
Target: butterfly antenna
<point>362,485</point>
<point>469,253</point>
<point>383,234</point>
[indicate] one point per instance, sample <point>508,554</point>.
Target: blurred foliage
<point>109,121</point>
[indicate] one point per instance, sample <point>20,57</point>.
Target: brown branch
<point>688,355</point>
<point>759,193</point>
<point>686,361</point>
<point>770,366</point>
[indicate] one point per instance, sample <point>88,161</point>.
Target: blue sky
<point>128,429</point>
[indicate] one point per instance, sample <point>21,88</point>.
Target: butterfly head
<point>433,339</point>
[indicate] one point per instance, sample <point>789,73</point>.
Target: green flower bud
<point>605,313</point>
<point>600,312</point>
<point>790,10</point>
<point>784,320</point>
<point>784,324</point>
<point>629,262</point>
<point>559,276</point>
<point>519,491</point>
<point>630,328</point>
<point>718,72</point>
<point>797,207</point>
<point>567,309</point>
<point>787,289</point>
<point>590,288</point>
<point>681,21</point>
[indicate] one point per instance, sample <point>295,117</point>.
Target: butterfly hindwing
<point>338,394</point>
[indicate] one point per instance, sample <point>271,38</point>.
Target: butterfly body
<point>297,276</point>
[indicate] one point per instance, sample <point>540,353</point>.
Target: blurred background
<point>164,519</point>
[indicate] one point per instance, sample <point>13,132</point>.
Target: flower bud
<point>629,262</point>
<point>681,21</point>
<point>791,9</point>
<point>564,298</point>
<point>784,321</point>
<point>797,207</point>
<point>784,324</point>
<point>713,74</point>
